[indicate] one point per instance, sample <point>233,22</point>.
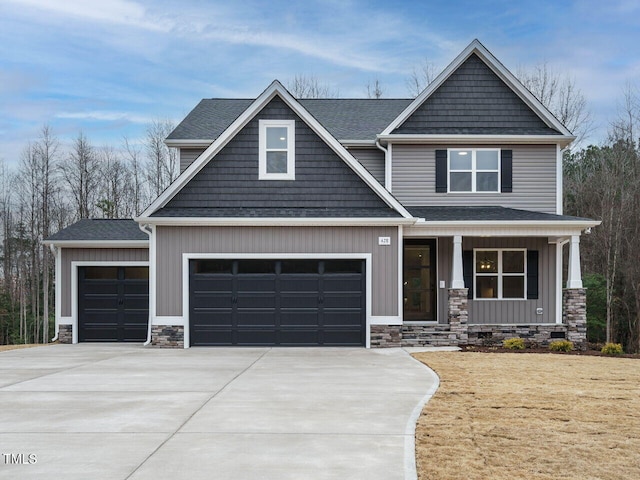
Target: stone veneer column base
<point>65,333</point>
<point>574,315</point>
<point>386,336</point>
<point>459,314</point>
<point>167,336</point>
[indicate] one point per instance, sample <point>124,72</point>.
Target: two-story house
<point>362,222</point>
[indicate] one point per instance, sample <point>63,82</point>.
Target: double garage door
<point>289,302</point>
<point>113,304</point>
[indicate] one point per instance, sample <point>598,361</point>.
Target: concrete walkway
<point>128,412</point>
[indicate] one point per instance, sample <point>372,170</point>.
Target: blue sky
<point>109,67</point>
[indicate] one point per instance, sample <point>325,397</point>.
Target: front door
<point>420,292</point>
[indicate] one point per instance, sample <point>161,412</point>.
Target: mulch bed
<point>589,352</point>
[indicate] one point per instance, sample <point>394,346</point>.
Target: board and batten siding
<point>69,255</point>
<point>172,242</point>
<point>534,178</point>
<point>518,311</point>
<point>188,156</point>
<point>372,159</point>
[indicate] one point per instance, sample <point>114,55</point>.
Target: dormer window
<point>276,159</point>
<point>474,170</point>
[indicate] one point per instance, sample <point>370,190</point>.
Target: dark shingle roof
<point>100,230</point>
<point>345,119</point>
<point>278,212</point>
<point>450,214</point>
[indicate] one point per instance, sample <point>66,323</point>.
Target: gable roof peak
<point>476,47</point>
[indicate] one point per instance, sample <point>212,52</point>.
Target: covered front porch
<point>479,281</point>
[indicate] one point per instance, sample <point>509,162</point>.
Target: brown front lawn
<point>530,416</point>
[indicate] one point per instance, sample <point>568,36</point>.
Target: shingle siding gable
<point>474,100</point>
<point>230,179</point>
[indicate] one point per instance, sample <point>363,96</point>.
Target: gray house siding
<point>518,311</point>
<point>534,178</point>
<point>372,159</point>
<point>188,155</point>
<point>69,255</point>
<point>474,100</point>
<point>322,179</point>
<point>172,242</point>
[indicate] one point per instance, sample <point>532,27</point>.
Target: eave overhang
<point>272,221</point>
<point>454,139</point>
<point>97,243</point>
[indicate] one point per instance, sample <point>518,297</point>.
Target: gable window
<point>276,158</point>
<point>474,170</point>
<point>500,273</point>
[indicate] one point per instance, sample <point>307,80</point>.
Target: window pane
<point>513,262</point>
<point>213,266</point>
<point>256,266</point>
<point>487,182</point>
<point>417,256</point>
<point>276,138</point>
<point>276,162</point>
<point>460,182</point>
<point>487,160</point>
<point>101,273</point>
<point>343,266</point>
<point>136,273</point>
<point>486,262</point>
<point>299,266</point>
<point>513,287</point>
<point>487,287</point>
<point>460,160</point>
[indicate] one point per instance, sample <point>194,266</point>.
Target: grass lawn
<point>25,345</point>
<point>530,416</point>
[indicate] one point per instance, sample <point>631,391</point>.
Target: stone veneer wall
<point>65,333</point>
<point>170,336</point>
<point>386,336</point>
<point>574,315</point>
<point>459,314</point>
<point>534,335</point>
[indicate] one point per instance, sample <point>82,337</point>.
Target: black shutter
<point>532,274</point>
<point>441,171</point>
<point>506,171</point>
<point>467,271</point>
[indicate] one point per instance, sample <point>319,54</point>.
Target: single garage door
<point>113,304</point>
<point>277,302</point>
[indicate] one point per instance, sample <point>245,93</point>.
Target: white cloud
<point>105,116</point>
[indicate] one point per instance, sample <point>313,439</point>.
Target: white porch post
<point>574,279</point>
<point>457,277</point>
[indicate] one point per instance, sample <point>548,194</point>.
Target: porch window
<point>276,158</point>
<point>500,273</point>
<point>474,170</point>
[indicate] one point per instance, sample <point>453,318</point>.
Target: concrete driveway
<point>128,412</point>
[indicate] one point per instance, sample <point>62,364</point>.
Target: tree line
<point>52,188</point>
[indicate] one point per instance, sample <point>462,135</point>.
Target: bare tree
<point>139,197</point>
<point>162,166</point>
<point>115,185</point>
<point>374,90</point>
<point>80,171</point>
<point>303,86</point>
<point>560,94</point>
<point>421,76</point>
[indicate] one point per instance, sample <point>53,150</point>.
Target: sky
<point>108,68</point>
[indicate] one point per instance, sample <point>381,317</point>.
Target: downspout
<point>387,166</point>
<point>56,299</point>
<point>145,229</point>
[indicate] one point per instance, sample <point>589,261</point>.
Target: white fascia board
<point>358,143</point>
<point>274,89</point>
<point>188,143</point>
<point>549,228</point>
<point>98,243</point>
<point>561,140</point>
<point>275,221</point>
<point>499,69</point>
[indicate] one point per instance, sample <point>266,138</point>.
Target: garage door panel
<point>201,319</point>
<point>279,302</point>
<point>113,304</point>
<point>297,317</point>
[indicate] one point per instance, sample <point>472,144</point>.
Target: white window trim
<point>291,153</point>
<point>473,169</point>
<point>499,273</point>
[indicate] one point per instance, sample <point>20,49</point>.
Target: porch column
<point>457,277</point>
<point>574,278</point>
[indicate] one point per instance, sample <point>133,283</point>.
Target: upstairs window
<point>474,170</point>
<point>276,159</point>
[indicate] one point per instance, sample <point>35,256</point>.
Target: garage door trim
<point>74,285</point>
<point>187,257</point>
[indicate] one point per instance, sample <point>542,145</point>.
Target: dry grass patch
<point>4,348</point>
<point>530,416</point>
